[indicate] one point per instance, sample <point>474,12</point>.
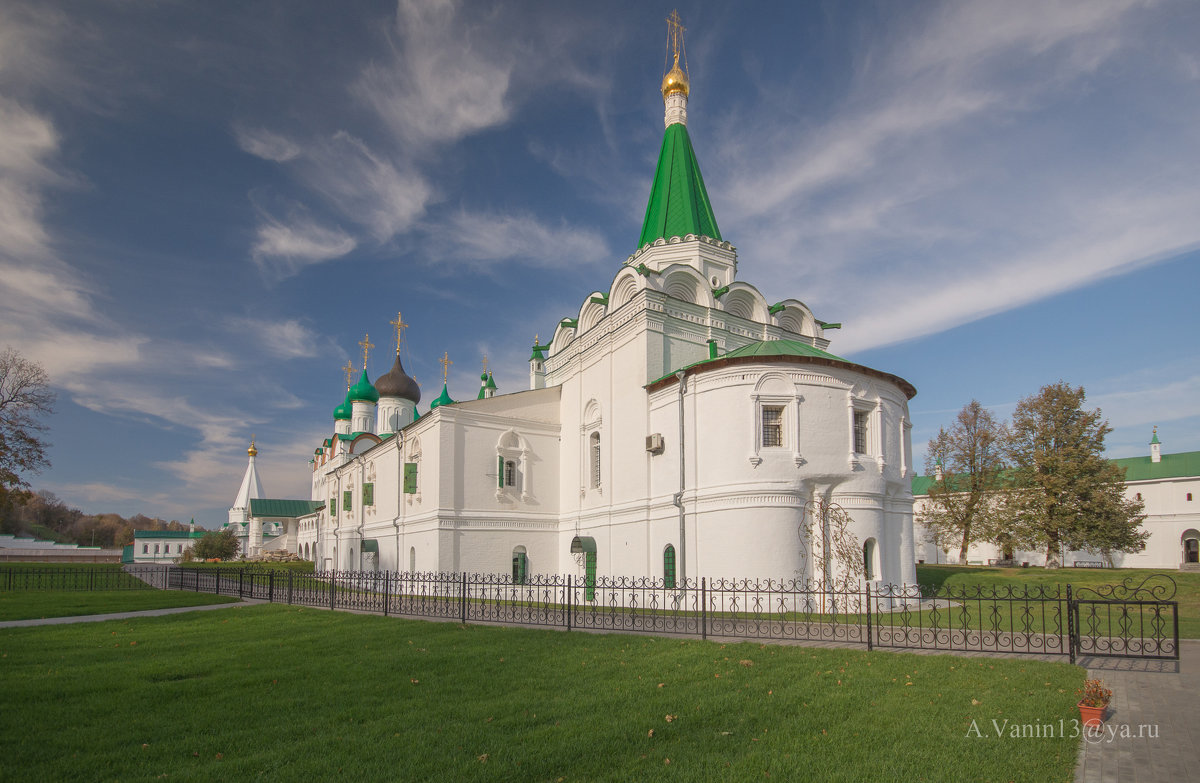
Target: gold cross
<point>445,362</point>
<point>536,341</point>
<point>349,370</point>
<point>367,345</point>
<point>485,364</point>
<point>400,327</point>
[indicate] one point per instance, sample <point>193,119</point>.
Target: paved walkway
<point>1156,699</point>
<point>99,618</point>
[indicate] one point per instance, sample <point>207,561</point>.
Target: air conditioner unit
<point>654,443</point>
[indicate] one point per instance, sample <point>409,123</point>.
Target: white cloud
<point>287,339</point>
<point>444,78</point>
<point>386,196</point>
<point>264,144</point>
<point>483,237</point>
<point>283,249</point>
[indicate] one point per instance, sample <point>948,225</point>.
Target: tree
<point>968,465</point>
<point>1068,494</point>
<point>25,396</point>
<point>220,544</point>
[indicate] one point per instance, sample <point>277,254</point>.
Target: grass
<point>287,693</point>
<point>1187,584</point>
<point>33,604</point>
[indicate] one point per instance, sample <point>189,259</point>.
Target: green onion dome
<point>443,399</point>
<point>342,412</point>
<point>397,383</point>
<point>363,391</point>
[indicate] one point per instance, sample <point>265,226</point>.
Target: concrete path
<point>99,618</point>
<point>1152,731</point>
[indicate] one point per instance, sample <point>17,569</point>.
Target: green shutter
<point>333,506</point>
<point>500,472</point>
<point>669,566</point>
<point>368,495</point>
<point>589,576</point>
<point>520,567</point>
<point>347,500</point>
<point>410,478</point>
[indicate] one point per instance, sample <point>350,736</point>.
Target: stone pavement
<point>1157,700</point>
<point>99,618</point>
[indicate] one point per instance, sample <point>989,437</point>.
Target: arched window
<point>520,565</point>
<point>594,451</point>
<point>156,549</point>
<point>669,566</point>
<point>145,549</point>
<point>510,473</point>
<point>869,566</point>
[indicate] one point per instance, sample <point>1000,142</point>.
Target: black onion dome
<point>397,383</point>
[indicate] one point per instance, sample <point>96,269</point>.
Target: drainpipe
<point>681,376</point>
<point>399,493</point>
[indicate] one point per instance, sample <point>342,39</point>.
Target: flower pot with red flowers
<point>1093,703</point>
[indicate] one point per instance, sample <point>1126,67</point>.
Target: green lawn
<point>31,604</point>
<point>1187,584</point>
<point>287,693</point>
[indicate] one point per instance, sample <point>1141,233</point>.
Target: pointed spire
<point>251,487</point>
<point>678,203</point>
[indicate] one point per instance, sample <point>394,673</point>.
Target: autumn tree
<point>219,544</point>
<point>1068,496</point>
<point>968,465</point>
<point>25,397</point>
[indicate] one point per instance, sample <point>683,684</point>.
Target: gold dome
<point>253,452</point>
<point>675,81</point>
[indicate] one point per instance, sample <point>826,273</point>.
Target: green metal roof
<point>169,533</point>
<point>678,202</point>
<point>782,348</point>
<point>343,411</point>
<point>1183,465</point>
<point>370,545</point>
<point>275,507</point>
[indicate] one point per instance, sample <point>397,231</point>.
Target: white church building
<point>674,427</point>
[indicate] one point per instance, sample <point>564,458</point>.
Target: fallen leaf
<point>746,662</point>
<point>670,718</point>
<point>483,758</point>
<point>976,702</point>
<point>650,733</point>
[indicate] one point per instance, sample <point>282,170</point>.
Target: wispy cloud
<point>281,249</point>
<point>265,144</point>
<point>287,339</point>
<point>490,237</point>
<point>912,190</point>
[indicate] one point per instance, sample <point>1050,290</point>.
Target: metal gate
<point>1125,620</point>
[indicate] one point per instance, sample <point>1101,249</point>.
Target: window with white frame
<point>861,422</point>
<point>594,452</point>
<point>772,426</point>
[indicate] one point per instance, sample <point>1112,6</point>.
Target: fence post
<point>331,578</point>
<point>386,599</point>
<point>289,586</point>
<point>704,607</point>
<point>1070,625</point>
<point>241,577</point>
<point>567,600</point>
<point>870,633</point>
<point>91,581</point>
<point>271,586</point>
<point>463,603</point>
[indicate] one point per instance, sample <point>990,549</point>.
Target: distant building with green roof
<point>1168,486</point>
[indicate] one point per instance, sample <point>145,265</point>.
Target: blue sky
<point>204,206</point>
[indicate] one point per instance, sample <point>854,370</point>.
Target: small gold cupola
<point>252,451</point>
<point>676,79</point>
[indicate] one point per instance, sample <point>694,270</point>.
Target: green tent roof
<point>678,203</point>
<point>276,507</point>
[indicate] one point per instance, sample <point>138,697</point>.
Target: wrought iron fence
<point>1121,620</point>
